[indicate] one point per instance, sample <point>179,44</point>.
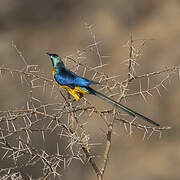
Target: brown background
<point>58,26</point>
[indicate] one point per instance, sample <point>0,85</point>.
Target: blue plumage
<point>78,86</point>
<point>66,77</point>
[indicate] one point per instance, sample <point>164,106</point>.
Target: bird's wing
<point>67,77</point>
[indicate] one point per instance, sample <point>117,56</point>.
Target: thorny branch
<point>67,120</point>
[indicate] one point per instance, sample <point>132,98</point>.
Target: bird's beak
<point>48,54</point>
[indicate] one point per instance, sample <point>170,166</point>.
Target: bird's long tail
<point>126,109</point>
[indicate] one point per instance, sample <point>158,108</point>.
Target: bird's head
<point>56,60</point>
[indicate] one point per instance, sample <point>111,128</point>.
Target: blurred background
<point>59,26</point>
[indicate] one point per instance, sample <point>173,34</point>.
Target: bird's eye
<point>51,57</point>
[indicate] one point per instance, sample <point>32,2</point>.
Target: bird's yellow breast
<point>53,72</point>
<point>76,92</point>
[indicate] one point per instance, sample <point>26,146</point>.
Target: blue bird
<point>78,86</point>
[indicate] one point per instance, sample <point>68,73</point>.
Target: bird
<point>79,86</point>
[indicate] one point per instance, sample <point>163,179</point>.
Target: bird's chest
<point>59,83</point>
<point>53,73</point>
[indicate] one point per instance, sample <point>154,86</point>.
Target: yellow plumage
<point>77,92</point>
